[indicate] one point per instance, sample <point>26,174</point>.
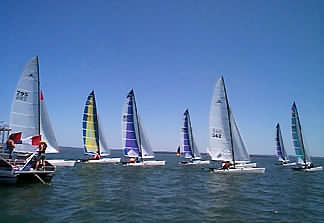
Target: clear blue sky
<point>171,53</point>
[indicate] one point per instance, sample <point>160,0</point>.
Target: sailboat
<point>281,152</point>
<point>93,137</point>
<point>190,149</point>
<point>303,156</point>
<point>225,141</point>
<point>27,116</point>
<point>137,148</point>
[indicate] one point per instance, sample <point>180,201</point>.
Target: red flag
<point>16,137</point>
<point>41,96</point>
<point>32,140</point>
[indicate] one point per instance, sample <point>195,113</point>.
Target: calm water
<point>173,193</point>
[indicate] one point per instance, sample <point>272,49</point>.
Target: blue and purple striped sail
<point>281,152</point>
<point>187,143</point>
<point>131,148</point>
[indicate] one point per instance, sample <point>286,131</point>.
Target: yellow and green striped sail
<point>90,126</point>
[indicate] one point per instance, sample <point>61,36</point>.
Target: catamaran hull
<point>26,176</point>
<point>104,160</point>
<point>288,164</point>
<point>33,176</point>
<point>238,170</point>
<point>245,165</point>
<point>196,162</point>
<point>319,168</point>
<point>147,163</point>
<point>63,163</point>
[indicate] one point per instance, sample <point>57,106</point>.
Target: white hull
<point>63,163</point>
<point>245,165</point>
<point>319,168</point>
<point>147,163</point>
<point>197,162</point>
<point>104,160</point>
<point>288,164</point>
<point>239,170</point>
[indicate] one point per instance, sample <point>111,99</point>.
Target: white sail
<point>196,151</point>
<point>47,132</point>
<point>240,152</point>
<point>24,110</point>
<point>146,147</point>
<point>104,149</point>
<point>219,147</point>
<point>222,128</point>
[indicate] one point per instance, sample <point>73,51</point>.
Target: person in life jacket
<point>132,160</point>
<point>226,165</point>
<point>40,157</point>
<point>95,157</point>
<point>10,145</point>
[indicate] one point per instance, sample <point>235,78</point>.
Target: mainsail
<point>190,149</point>
<point>28,112</point>
<point>281,152</point>
<point>24,115</point>
<point>302,153</point>
<point>225,141</point>
<point>135,142</point>
<point>90,127</point>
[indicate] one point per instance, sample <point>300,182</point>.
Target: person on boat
<point>40,157</point>
<point>132,160</point>
<point>226,165</point>
<point>95,157</point>
<point>10,145</point>
<point>309,166</point>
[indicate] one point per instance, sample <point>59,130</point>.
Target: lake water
<point>173,193</point>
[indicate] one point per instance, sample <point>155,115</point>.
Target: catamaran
<point>94,142</point>
<point>190,149</point>
<point>137,148</point>
<point>29,114</point>
<point>225,141</point>
<point>281,152</point>
<point>25,117</point>
<point>303,157</point>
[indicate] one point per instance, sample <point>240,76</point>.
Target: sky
<point>171,53</point>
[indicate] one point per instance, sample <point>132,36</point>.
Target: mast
<point>96,120</point>
<point>301,135</point>
<point>139,132</point>
<point>38,93</point>
<point>229,121</point>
